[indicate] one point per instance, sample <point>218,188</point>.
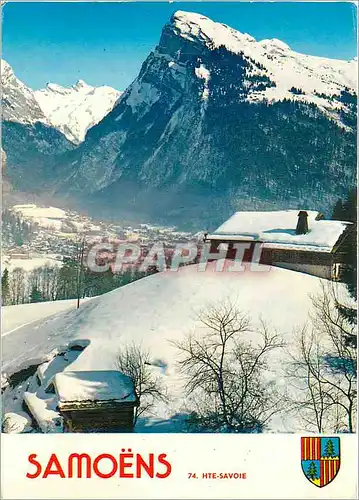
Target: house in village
<point>96,401</point>
<point>299,240</point>
<point>15,254</point>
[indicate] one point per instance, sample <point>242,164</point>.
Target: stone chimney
<point>302,225</point>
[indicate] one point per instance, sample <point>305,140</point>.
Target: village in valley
<point>82,385</point>
<point>40,239</point>
<point>52,234</point>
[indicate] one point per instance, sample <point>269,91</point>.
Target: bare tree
<point>49,278</point>
<point>45,281</point>
<point>80,264</point>
<point>5,290</point>
<point>323,371</point>
<point>17,286</point>
<point>336,318</point>
<point>135,362</point>
<point>225,371</point>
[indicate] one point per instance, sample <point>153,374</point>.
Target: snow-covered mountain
<point>290,75</point>
<point>73,110</point>
<point>37,126</point>
<point>216,122</point>
<point>29,140</point>
<point>18,101</point>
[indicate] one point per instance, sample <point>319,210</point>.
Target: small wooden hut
<point>96,401</point>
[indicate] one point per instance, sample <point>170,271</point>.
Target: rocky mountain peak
<point>192,26</point>
<point>199,33</point>
<point>6,71</point>
<point>274,43</point>
<point>271,70</point>
<point>18,102</point>
<point>79,86</point>
<point>82,85</point>
<point>56,89</point>
<point>71,110</point>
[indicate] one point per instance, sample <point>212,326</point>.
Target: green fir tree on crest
<point>312,472</point>
<point>329,449</point>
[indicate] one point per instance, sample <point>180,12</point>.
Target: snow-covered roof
<point>106,385</point>
<point>277,230</point>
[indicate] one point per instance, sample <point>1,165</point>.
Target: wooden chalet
<point>96,401</point>
<point>299,240</point>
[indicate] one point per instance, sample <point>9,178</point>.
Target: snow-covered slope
<point>18,100</point>
<point>318,78</point>
<point>73,110</point>
<point>162,308</point>
<point>15,317</point>
<point>28,138</point>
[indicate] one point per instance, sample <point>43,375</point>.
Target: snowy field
<point>29,264</point>
<point>152,312</point>
<point>14,317</point>
<point>47,217</point>
<point>55,218</point>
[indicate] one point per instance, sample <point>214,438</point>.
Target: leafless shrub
<point>323,372</point>
<point>225,371</point>
<point>135,362</point>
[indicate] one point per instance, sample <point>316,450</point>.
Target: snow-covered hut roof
<point>277,229</point>
<point>99,385</point>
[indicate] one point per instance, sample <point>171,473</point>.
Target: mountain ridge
<point>75,109</point>
<point>18,102</point>
<point>188,131</point>
<point>208,128</point>
<point>312,75</point>
<point>70,110</point>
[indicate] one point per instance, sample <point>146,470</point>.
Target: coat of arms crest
<point>320,459</point>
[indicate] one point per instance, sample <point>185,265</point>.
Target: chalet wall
<point>99,420</point>
<point>312,258</point>
<point>321,271</point>
<point>311,262</point>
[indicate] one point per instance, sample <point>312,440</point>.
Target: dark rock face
<point>190,140</point>
<point>18,102</point>
<point>31,151</point>
<point>30,143</point>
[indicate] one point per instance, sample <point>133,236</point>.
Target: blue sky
<point>106,43</point>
